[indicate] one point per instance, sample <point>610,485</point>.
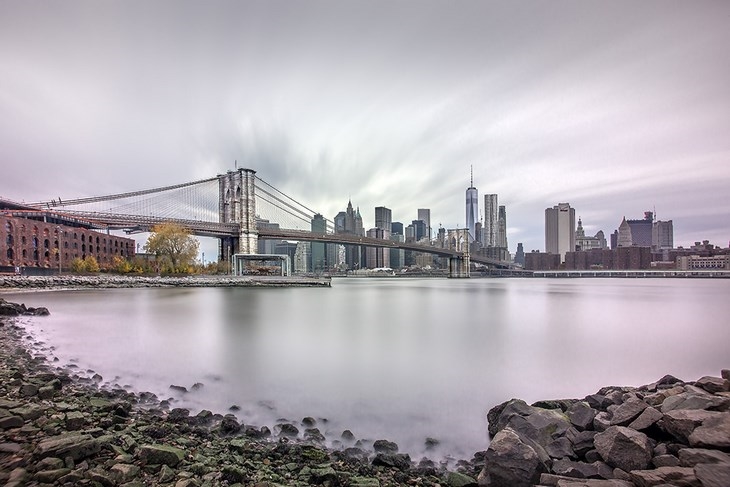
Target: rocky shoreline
<point>109,281</point>
<point>58,428</point>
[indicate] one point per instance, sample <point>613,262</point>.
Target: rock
<point>581,415</point>
<point>456,479</point>
<point>725,374</point>
<point>713,384</point>
<point>400,461</point>
<point>646,419</point>
<point>509,461</point>
<point>537,424</point>
<point>561,448</point>
<point>689,457</point>
<point>582,441</point>
<point>29,412</point>
<point>123,472</point>
<point>288,430</point>
<point>178,415</point>
<point>385,446</point>
<point>627,412</point>
<point>364,482</point>
<point>229,425</point>
<point>665,461</point>
<point>322,475</point>
<point>9,422</point>
<point>676,476</point>
<point>680,423</point>
<point>694,400</point>
<point>176,388</point>
<point>713,475</point>
<point>76,446</point>
<point>166,474</point>
<point>50,476</point>
<point>161,455</point>
<point>714,432</point>
<point>28,390</point>
<point>46,392</point>
<point>74,420</point>
<point>624,448</point>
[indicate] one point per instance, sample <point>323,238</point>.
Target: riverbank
<point>107,281</point>
<point>59,427</point>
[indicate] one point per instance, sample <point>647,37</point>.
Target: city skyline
<point>601,105</point>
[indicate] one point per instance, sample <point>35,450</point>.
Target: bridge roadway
<point>138,223</point>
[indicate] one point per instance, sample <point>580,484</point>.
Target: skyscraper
<point>491,217</point>
<point>424,214</point>
<point>560,229</point>
<point>318,253</point>
<point>502,228</point>
<point>383,218</point>
<point>472,208</point>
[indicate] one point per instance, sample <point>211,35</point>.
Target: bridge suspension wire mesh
<point>279,208</point>
<point>195,201</point>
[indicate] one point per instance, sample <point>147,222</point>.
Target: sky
<point>616,107</point>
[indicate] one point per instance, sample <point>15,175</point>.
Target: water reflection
<point>392,358</point>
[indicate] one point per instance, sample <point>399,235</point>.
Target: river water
<point>397,359</point>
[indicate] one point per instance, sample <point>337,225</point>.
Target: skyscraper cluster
<point>489,232</point>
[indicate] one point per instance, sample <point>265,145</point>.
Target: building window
<point>9,239</point>
<point>8,227</point>
<point>46,244</point>
<point>23,240</point>
<point>35,242</point>
<point>10,254</point>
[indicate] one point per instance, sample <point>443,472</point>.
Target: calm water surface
<point>391,358</point>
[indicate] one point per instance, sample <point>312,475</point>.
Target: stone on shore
<point>624,448</point>
<point>77,446</point>
<point>511,462</point>
<point>161,455</point>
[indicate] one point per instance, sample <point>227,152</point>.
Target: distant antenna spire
<point>235,164</point>
<point>471,170</point>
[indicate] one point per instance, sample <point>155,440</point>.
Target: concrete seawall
<point>112,281</point>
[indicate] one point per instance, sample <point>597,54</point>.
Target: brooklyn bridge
<point>231,207</point>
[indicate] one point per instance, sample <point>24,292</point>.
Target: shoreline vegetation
<point>60,427</point>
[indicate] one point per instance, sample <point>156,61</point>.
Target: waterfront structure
<point>377,257</point>
<point>560,229</point>
<point>542,261</point>
<point>491,221</point>
<point>696,262</point>
<point>424,214</point>
<point>472,209</point>
<point>43,244</point>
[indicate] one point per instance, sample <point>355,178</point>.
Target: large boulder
<point>627,412</point>
<point>534,423</point>
<point>161,455</point>
<point>624,448</point>
<point>680,423</point>
<point>75,445</point>
<point>511,462</point>
<point>713,475</point>
<point>676,476</point>
<point>713,433</point>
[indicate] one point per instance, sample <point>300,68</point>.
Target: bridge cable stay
<point>310,212</point>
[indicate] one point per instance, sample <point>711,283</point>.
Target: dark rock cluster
<point>669,433</point>
<point>111,281</point>
<point>14,309</point>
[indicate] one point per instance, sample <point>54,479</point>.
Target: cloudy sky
<point>616,107</point>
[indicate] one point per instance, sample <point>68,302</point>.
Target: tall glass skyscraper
<point>472,209</point>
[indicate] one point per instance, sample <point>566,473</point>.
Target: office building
<point>472,209</point>
<point>662,237</point>
<point>491,218</point>
<point>647,232</point>
<point>377,257</point>
<point>383,218</point>
<point>560,229</point>
<point>397,256</point>
<point>502,227</point>
<point>350,222</point>
<point>318,252</point>
<point>424,214</point>
<point>396,228</point>
<point>520,255</point>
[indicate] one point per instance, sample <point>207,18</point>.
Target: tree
<point>173,243</point>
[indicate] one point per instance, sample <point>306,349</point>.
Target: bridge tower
<point>459,240</point>
<point>237,204</point>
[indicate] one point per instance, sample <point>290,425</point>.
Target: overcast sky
<point>615,107</point>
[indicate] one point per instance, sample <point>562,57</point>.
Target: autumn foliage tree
<point>173,246</point>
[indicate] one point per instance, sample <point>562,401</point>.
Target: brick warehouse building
<point>27,242</point>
